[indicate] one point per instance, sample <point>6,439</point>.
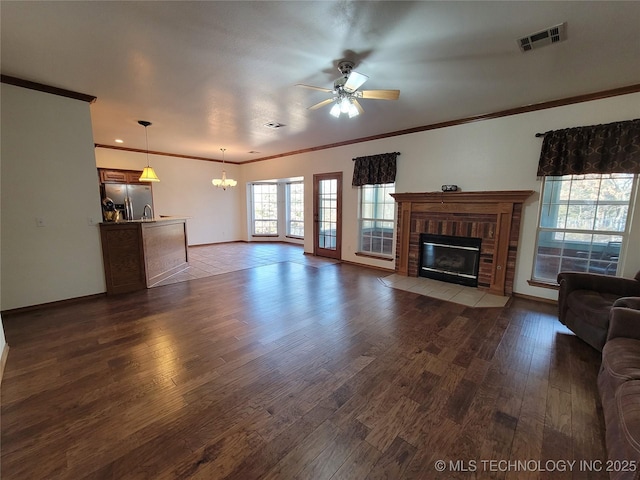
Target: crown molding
<point>166,154</point>
<point>462,121</point>
<point>41,87</point>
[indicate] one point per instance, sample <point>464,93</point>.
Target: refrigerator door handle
<point>128,207</point>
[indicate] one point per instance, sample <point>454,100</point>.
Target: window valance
<point>375,169</point>
<point>608,148</point>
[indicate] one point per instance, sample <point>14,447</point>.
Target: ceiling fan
<point>346,94</point>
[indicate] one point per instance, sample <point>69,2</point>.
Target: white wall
<point>48,172</point>
<point>499,154</point>
<point>185,189</point>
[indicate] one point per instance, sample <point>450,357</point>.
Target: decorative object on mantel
<point>608,148</point>
<point>224,182</point>
<point>148,175</point>
<point>449,188</point>
<point>375,169</point>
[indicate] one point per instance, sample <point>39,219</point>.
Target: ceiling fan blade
<point>354,81</point>
<point>327,90</point>
<point>321,104</point>
<point>381,94</point>
<point>358,106</point>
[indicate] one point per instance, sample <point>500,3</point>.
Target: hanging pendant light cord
<point>145,124</point>
<point>146,137</point>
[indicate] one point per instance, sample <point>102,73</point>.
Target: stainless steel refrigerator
<point>138,195</point>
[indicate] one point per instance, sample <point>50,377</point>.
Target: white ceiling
<point>211,74</point>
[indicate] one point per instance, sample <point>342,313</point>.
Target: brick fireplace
<point>492,216</point>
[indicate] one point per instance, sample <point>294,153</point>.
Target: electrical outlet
<point>40,222</point>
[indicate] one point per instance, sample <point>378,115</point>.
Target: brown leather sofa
<point>585,301</point>
<point>619,387</point>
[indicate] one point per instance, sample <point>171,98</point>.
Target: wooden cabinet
<point>123,255</point>
<point>120,176</point>
<point>138,255</point>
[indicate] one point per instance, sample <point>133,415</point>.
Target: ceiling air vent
<point>274,125</point>
<point>545,37</point>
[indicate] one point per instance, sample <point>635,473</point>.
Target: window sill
<point>538,283</point>
<point>373,255</point>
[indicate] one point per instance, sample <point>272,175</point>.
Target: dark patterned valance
<point>375,169</point>
<point>610,148</point>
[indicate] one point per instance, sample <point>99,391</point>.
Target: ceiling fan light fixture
<point>344,105</point>
<point>346,92</point>
<point>353,110</point>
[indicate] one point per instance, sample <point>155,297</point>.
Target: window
<point>583,224</point>
<point>377,219</point>
<point>265,209</point>
<point>295,209</point>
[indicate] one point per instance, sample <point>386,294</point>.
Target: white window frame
<point>377,217</point>
<point>254,219</point>
<point>290,220</point>
<point>585,258</point>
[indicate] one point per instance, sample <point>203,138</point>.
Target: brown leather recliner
<point>585,301</point>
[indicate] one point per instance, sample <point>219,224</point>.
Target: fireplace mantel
<point>493,216</point>
<point>493,196</point>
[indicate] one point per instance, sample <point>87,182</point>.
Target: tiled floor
<point>208,260</point>
<point>469,296</point>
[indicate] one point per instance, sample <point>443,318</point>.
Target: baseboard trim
<point>245,241</point>
<point>40,306</point>
<point>3,359</point>
<point>216,243</point>
<point>535,299</point>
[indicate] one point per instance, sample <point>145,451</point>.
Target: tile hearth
<point>469,296</point>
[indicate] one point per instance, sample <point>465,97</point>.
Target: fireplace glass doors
<point>450,259</point>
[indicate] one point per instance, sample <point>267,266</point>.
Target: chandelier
<point>224,182</point>
<point>148,175</point>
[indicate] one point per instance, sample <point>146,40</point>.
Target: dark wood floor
<point>293,370</point>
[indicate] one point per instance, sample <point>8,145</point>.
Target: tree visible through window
<point>265,208</point>
<point>583,224</point>
<point>377,219</point>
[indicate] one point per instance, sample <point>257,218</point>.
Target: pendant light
<point>224,182</point>
<point>148,175</point>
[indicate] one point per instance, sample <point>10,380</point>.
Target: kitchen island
<point>138,254</point>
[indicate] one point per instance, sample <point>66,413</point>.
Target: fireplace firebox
<point>450,259</point>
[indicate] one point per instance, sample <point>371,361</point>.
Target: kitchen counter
<point>151,220</point>
<point>138,254</point>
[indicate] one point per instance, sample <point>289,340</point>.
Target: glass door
<point>327,215</point>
